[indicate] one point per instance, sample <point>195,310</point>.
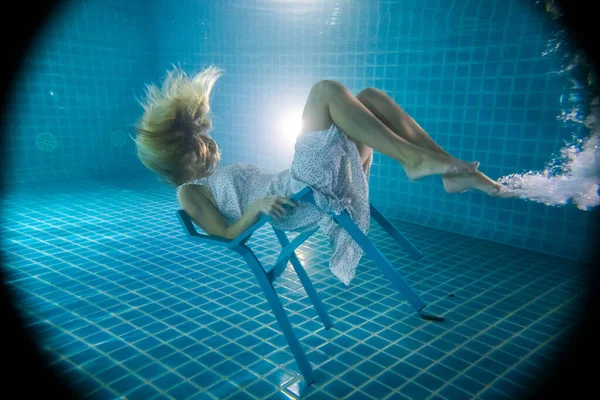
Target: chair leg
<point>388,270</point>
<point>393,232</point>
<point>282,319</point>
<point>305,280</point>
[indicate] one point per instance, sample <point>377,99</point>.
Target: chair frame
<point>266,276</point>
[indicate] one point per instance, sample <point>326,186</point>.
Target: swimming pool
<point>125,306</point>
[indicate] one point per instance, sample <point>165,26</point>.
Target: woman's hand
<point>274,205</point>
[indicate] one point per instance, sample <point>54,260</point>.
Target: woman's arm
<point>206,216</point>
<point>249,218</point>
<point>202,211</point>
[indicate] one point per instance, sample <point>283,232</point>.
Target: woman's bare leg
<point>330,101</point>
<point>403,125</point>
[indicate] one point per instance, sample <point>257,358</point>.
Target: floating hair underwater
<point>576,178</point>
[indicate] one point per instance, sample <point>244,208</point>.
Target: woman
<point>333,155</point>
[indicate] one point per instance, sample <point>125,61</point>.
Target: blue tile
<point>147,343</point>
<point>349,358</point>
<point>85,331</point>
<point>206,379</point>
<point>431,353</point>
<point>455,338</point>
<point>278,396</point>
<point>126,384</point>
<point>451,392</point>
<point>264,349</point>
<point>319,394</point>
<point>101,394</point>
<point>142,393</point>
<point>481,375</point>
<point>216,341</point>
<point>420,335</point>
<point>376,390</point>
<point>167,381</point>
<point>281,357</point>
<point>391,379</point>
<point>369,368</point>
<point>358,334</point>
<point>73,348</point>
<point>468,384</point>
<point>442,372</point>
<point>138,362</point>
<point>183,391</point>
<point>398,352</point>
<point>260,389</point>
<point>455,363</point>
<point>518,378</point>
<point>85,355</point>
<point>227,368</point>
<point>338,389</point>
<point>405,370</point>
<point>190,369</point>
<point>261,367</point>
<point>175,360</point>
<point>161,352</point>
<point>87,385</point>
<point>492,366</point>
<point>244,378</point>
<point>355,378</point>
<point>97,365</point>
<point>241,396</point>
<point>182,342</point>
<point>152,371</point>
<point>443,345</point>
<point>478,347</point>
<point>188,327</point>
<point>384,359</point>
<point>246,358</point>
<point>504,358</point>
<point>419,361</point>
<point>508,388</point>
<point>467,355</point>
<point>429,381</point>
<point>344,341</point>
<point>201,334</point>
<point>494,394</point>
<point>364,350</point>
<point>124,353</point>
<point>489,340</point>
<point>401,328</point>
<point>334,367</point>
<point>249,341</point>
<point>211,359</point>
<point>414,391</point>
<point>111,374</point>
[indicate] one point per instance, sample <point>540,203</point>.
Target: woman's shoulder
<point>192,190</point>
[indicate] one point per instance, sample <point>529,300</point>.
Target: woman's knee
<point>367,95</point>
<point>327,88</point>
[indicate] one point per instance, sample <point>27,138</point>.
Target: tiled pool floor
<point>127,307</point>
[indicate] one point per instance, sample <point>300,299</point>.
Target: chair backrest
<point>188,226</point>
<point>192,233</point>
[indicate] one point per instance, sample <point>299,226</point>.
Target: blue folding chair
<point>266,276</point>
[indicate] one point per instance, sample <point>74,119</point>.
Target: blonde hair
<point>172,136</point>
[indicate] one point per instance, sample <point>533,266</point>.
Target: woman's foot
<point>437,164</point>
<point>478,181</point>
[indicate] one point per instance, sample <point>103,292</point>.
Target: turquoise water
<point>126,306</point>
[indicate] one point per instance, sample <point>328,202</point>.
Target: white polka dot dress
<point>330,164</point>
